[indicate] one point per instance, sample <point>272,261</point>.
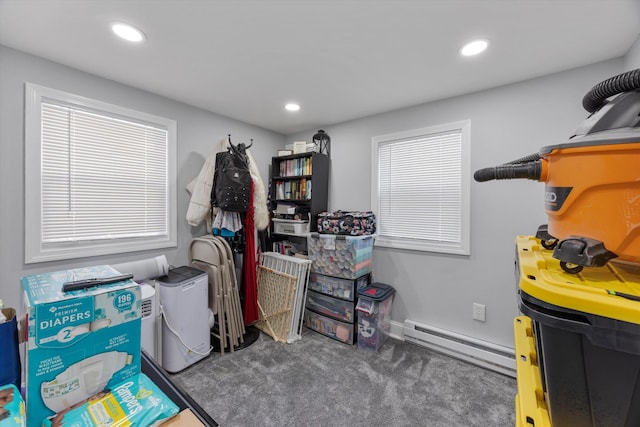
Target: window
<point>420,189</point>
<point>99,178</point>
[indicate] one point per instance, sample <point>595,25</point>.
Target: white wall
<point>506,123</point>
<point>632,58</point>
<point>198,132</point>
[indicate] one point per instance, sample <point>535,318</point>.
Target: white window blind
<point>421,189</point>
<point>102,178</point>
<point>105,180</point>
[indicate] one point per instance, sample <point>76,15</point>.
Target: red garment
<point>249,268</point>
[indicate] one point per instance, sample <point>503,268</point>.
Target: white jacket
<point>200,190</point>
<point>260,210</point>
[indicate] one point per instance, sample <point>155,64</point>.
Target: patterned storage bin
<point>347,223</point>
<point>348,257</point>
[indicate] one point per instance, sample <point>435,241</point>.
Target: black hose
<point>531,170</point>
<point>525,167</point>
<point>526,159</point>
<point>598,94</point>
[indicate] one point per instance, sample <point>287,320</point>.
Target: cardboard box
<point>11,407</point>
<point>79,342</point>
<point>183,419</point>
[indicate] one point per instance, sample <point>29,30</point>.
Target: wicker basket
<point>276,293</point>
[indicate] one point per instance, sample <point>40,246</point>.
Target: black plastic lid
<point>376,291</point>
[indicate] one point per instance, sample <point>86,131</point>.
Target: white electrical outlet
<point>479,312</point>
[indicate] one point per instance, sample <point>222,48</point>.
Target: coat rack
<point>240,148</point>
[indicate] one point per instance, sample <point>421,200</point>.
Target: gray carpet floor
<point>318,381</point>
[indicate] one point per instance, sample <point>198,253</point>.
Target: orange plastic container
<point>594,191</point>
<point>592,181</point>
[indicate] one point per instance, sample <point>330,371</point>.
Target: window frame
<point>35,250</point>
<point>464,246</point>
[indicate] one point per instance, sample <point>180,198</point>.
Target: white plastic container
<point>290,226</point>
<point>184,295</point>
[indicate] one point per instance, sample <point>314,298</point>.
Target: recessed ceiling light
<point>475,47</point>
<point>128,32</point>
<point>292,107</point>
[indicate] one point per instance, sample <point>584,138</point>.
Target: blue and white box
<point>79,342</point>
<point>11,407</point>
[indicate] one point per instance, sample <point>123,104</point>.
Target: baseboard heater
<point>482,353</point>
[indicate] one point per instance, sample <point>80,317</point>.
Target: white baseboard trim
<point>482,353</point>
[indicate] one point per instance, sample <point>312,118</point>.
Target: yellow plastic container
<point>541,276</point>
<point>531,407</point>
<point>586,331</point>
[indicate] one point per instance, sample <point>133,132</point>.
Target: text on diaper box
<point>69,313</point>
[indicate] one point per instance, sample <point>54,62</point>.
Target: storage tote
<point>374,315</point>
<point>531,408</point>
<point>341,331</point>
<point>332,307</point>
<point>587,334</point>
<point>346,257</point>
<point>346,289</point>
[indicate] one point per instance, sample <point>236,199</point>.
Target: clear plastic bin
<point>341,331</point>
<point>332,307</point>
<point>347,257</point>
<point>345,289</point>
<point>374,315</point>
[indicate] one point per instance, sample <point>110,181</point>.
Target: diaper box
<point>79,342</point>
<point>11,407</point>
<point>135,402</point>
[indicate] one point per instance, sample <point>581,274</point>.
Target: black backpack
<point>231,189</point>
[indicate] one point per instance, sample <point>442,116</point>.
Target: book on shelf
<point>286,247</point>
<point>296,167</point>
<point>280,190</point>
<point>294,190</point>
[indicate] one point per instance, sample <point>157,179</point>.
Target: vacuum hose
<point>529,167</point>
<point>598,94</point>
<point>530,170</point>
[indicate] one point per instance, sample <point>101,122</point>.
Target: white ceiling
<point>340,60</point>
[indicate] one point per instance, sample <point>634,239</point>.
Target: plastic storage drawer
<point>341,331</point>
<point>348,257</point>
<point>332,307</point>
<point>346,289</point>
<point>587,335</point>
